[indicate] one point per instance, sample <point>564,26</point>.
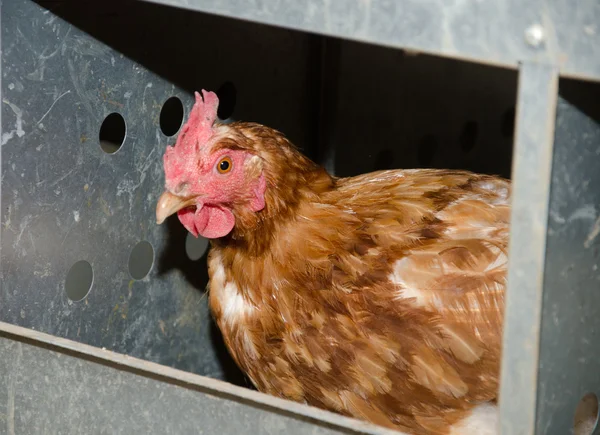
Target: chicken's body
<point>379,296</point>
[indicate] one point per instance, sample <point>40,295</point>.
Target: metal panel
<point>103,59</point>
<point>498,32</point>
<point>364,107</point>
<point>51,385</point>
<point>65,200</point>
<point>551,359</point>
<point>569,354</point>
<point>532,162</point>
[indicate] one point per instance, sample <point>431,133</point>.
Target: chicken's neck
<point>292,179</point>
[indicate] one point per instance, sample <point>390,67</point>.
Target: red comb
<point>178,161</point>
<point>198,128</point>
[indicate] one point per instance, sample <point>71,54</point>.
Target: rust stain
<point>115,103</point>
<point>593,234</point>
<point>130,288</point>
<point>105,97</point>
<point>104,206</point>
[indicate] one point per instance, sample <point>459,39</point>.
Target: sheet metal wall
<point>353,106</point>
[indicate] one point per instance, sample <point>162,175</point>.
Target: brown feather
<point>379,296</point>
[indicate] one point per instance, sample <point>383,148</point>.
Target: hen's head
<point>208,174</point>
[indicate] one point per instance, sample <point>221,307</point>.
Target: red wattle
<point>209,221</point>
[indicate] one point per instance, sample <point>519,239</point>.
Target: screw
<point>534,35</point>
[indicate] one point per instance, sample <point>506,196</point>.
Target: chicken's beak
<point>169,204</point>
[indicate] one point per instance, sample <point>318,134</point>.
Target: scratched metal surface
<point>66,66</point>
<point>361,107</point>
<point>551,358</point>
<point>46,389</point>
<point>65,200</point>
<point>569,352</point>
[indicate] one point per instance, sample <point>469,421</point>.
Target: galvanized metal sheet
<point>499,32</point>
<point>64,69</point>
<point>64,200</point>
<point>51,385</point>
<point>551,359</point>
<point>569,362</point>
<point>534,137</point>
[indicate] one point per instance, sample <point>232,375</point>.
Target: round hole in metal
<point>171,116</point>
<point>195,248</point>
<point>112,133</point>
<point>586,415</point>
<point>141,260</point>
<point>79,280</point>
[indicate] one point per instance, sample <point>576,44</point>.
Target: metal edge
<point>189,380</point>
<point>513,64</point>
<point>349,37</point>
<point>1,132</point>
<point>537,98</point>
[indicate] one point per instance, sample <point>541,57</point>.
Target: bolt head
<point>534,35</point>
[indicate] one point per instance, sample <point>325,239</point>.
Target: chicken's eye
<point>224,165</point>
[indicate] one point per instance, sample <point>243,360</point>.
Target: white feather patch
<point>406,291</point>
<point>235,306</point>
<point>218,276</point>
<point>500,261</point>
<point>483,420</point>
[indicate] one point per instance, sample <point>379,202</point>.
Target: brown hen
<point>379,296</point>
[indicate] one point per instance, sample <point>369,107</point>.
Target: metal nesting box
<point>92,94</point>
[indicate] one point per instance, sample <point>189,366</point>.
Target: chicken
<point>379,296</point>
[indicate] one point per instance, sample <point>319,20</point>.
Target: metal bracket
<point>550,356</point>
<point>532,161</point>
